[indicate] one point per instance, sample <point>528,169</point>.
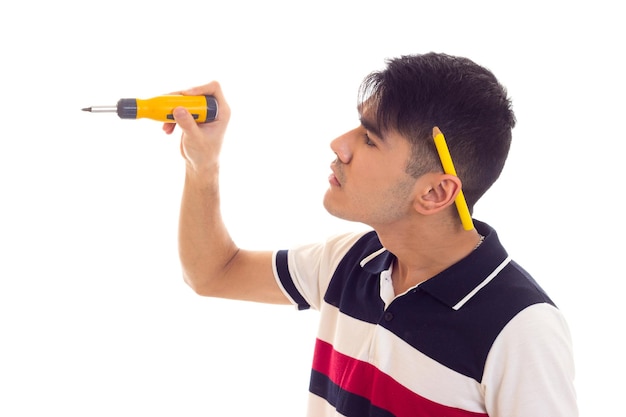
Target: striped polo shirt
<point>479,339</point>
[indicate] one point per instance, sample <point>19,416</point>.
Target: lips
<point>336,177</point>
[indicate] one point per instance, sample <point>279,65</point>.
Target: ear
<point>438,191</point>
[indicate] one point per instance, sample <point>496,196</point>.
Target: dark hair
<point>415,93</point>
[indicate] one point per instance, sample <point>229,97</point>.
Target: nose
<point>342,146</point>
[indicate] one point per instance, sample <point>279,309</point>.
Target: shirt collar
<point>457,284</point>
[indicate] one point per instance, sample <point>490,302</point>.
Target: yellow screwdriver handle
<point>203,108</point>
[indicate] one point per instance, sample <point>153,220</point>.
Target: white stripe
<point>482,284</point>
<point>372,256</point>
<point>319,407</point>
<point>408,366</point>
<point>312,266</point>
<point>530,370</point>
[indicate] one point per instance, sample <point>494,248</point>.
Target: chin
<point>332,206</point>
<point>338,210</point>
<point>328,203</point>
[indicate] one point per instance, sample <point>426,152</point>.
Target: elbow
<point>206,278</point>
<point>199,286</point>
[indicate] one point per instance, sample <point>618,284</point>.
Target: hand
<point>200,143</point>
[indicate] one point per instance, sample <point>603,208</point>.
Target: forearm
<point>205,246</point>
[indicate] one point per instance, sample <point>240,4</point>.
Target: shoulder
<point>332,250</point>
<point>304,271</point>
<point>533,325</point>
<point>530,367</point>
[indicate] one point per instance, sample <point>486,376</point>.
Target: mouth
<point>333,178</point>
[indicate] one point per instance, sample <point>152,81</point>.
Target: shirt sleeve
<point>530,369</point>
<point>304,272</point>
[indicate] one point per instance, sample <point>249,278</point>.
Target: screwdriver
<point>202,108</point>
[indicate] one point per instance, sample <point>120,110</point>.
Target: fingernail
<point>179,112</point>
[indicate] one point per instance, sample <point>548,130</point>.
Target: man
<point>419,317</point>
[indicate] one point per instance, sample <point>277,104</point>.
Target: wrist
<point>202,176</point>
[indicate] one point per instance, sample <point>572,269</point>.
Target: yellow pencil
<point>448,168</point>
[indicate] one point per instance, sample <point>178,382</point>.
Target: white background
<point>94,317</point>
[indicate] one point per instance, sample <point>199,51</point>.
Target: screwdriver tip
<point>87,109</point>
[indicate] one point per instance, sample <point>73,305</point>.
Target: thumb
<point>184,119</point>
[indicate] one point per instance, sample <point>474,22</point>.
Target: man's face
<point>369,183</point>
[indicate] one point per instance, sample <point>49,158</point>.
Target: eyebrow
<point>371,126</point>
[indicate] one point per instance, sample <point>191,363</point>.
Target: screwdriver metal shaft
<point>101,109</point>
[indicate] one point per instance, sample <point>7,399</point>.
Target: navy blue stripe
<point>354,290</point>
<point>348,404</point>
<point>285,279</point>
<point>424,318</point>
<point>461,340</point>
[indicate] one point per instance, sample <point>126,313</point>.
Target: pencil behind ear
<point>448,168</point>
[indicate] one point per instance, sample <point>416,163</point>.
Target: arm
<point>212,264</point>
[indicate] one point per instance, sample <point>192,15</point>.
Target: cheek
<point>377,175</point>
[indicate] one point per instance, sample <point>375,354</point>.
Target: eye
<point>368,140</point>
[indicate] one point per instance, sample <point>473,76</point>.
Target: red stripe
<point>364,379</point>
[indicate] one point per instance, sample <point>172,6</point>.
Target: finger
<point>211,89</point>
<point>168,128</point>
<point>185,120</point>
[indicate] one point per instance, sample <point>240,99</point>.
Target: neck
<point>422,253</point>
